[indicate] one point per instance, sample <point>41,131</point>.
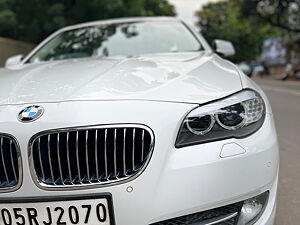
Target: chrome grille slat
<point>87,155</point>
<point>40,159</point>
<point>11,159</point>
<point>115,153</point>
<point>10,164</point>
<point>68,157</point>
<point>94,155</point>
<point>124,152</point>
<point>133,148</point>
<point>58,158</point>
<point>143,135</point>
<point>105,153</point>
<point>50,161</point>
<point>77,157</point>
<point>3,160</point>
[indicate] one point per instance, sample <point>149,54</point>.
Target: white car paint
<point>158,91</point>
<point>188,77</point>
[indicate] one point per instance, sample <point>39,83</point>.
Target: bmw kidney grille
<point>92,155</point>
<point>10,164</point>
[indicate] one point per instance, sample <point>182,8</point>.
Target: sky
<point>187,8</point>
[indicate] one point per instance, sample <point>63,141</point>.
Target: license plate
<point>95,211</point>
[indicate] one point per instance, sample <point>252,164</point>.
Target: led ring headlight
<point>200,125</point>
<point>232,120</point>
<point>236,116</point>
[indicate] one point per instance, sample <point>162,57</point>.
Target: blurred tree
<point>159,7</point>
<point>225,20</point>
<point>33,20</point>
<point>284,14</point>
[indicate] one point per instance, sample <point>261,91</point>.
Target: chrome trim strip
<point>217,220</point>
<point>20,164</point>
<point>91,185</point>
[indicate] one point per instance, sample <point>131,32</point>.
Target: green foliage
<point>7,18</point>
<point>225,20</point>
<point>33,20</point>
<point>284,14</point>
<point>159,7</point>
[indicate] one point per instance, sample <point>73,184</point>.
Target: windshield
<point>118,39</point>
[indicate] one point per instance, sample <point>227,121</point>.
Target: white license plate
<point>65,212</point>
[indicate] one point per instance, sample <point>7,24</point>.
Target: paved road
<point>285,101</point>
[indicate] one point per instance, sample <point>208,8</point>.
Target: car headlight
<point>236,116</point>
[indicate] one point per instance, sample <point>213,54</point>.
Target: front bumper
<point>176,182</point>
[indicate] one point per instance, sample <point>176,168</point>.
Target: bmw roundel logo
<point>31,113</point>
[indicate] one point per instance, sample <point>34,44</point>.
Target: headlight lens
<point>234,117</point>
<point>200,125</point>
<point>252,209</point>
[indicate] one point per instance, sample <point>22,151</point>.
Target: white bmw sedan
<point>134,122</point>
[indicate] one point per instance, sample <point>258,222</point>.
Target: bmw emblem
<point>31,113</point>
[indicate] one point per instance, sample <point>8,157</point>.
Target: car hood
<point>185,77</point>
